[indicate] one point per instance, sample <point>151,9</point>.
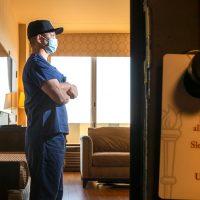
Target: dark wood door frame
<point>137,100</point>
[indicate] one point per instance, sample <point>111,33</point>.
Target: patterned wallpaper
<point>94,44</point>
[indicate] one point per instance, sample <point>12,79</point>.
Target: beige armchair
<point>105,155</point>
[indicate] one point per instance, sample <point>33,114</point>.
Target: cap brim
<point>56,30</point>
<point>59,30</point>
<point>191,86</point>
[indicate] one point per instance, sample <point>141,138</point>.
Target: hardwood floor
<point>73,189</point>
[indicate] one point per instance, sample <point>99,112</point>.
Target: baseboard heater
<point>72,158</point>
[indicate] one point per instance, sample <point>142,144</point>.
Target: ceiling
<point>77,16</point>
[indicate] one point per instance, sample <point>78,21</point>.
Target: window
<point>113,90</point>
<point>110,92</point>
<point>4,77</point>
<point>78,71</point>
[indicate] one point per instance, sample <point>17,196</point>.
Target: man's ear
<point>41,40</point>
<point>38,39</point>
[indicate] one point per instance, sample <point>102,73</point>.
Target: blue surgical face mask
<point>51,46</point>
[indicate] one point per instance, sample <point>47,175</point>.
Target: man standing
<point>46,93</point>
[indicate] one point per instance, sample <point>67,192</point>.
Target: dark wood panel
<point>137,100</point>
<point>174,29</point>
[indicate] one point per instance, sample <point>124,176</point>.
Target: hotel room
<point>126,72</point>
<point>94,54</point>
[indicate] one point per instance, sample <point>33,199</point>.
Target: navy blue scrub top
<point>44,116</point>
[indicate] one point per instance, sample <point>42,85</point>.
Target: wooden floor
<point>73,189</point>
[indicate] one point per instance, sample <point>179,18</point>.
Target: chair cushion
<point>110,139</point>
<point>111,159</point>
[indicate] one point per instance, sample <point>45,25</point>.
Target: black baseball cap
<point>41,26</point>
<point>191,77</point>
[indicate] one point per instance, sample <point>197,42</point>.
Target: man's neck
<point>42,52</point>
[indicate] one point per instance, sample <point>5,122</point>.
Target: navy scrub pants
<point>45,160</point>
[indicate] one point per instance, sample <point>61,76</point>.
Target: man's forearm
<point>56,91</point>
<point>73,92</point>
<point>70,89</point>
<point>65,86</point>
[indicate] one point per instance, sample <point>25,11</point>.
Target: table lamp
<point>10,100</point>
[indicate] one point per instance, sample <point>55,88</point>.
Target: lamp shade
<point>10,100</point>
<point>21,99</point>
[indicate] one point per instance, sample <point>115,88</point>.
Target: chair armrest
<point>14,195</point>
<point>86,151</point>
<point>21,193</point>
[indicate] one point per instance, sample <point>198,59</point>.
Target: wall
<point>8,33</point>
<point>23,55</point>
<point>13,41</point>
<point>175,28</point>
<point>8,29</point>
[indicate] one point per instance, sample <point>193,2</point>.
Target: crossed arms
<point>60,93</point>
